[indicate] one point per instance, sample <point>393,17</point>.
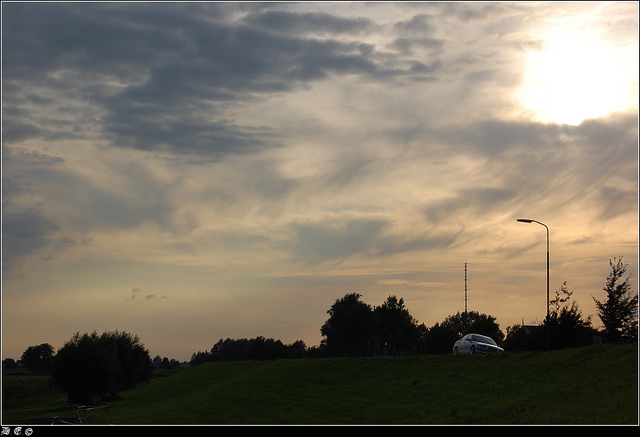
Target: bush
<point>90,366</point>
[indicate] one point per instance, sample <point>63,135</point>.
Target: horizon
<point>187,172</point>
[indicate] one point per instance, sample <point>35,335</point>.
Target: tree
<point>474,322</point>
<point>519,339</point>
<point>38,358</point>
<point>349,329</point>
<point>619,312</point>
<point>87,366</point>
<point>397,330</point>
<point>263,349</point>
<point>9,363</point>
<point>92,365</point>
<point>230,350</point>
<point>296,350</point>
<point>134,359</point>
<point>567,327</point>
<point>439,339</point>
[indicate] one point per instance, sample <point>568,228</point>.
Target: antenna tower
<point>465,287</point>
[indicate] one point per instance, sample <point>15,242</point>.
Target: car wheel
<point>472,350</point>
<point>455,351</point>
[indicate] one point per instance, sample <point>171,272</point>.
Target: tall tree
<point>349,329</point>
<point>619,312</point>
<point>397,330</point>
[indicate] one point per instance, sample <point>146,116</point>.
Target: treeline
<point>355,328</point>
<point>168,364</point>
<point>255,349</point>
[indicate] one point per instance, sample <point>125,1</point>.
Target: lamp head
<point>525,220</point>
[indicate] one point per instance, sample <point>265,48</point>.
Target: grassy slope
<point>578,386</point>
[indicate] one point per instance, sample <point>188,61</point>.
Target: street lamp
<point>540,223</point>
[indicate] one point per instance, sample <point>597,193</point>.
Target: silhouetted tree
<point>395,328</point>
<point>258,348</point>
<point>262,349</point>
<point>134,359</point>
<point>9,363</point>
<point>38,358</point>
<point>200,357</point>
<point>231,350</point>
<point>567,327</point>
<point>518,339</point>
<point>296,350</point>
<point>473,322</point>
<point>349,329</point>
<point>92,365</point>
<point>439,339</point>
<point>87,367</point>
<point>619,312</point>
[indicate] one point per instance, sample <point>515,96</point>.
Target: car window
<point>483,339</point>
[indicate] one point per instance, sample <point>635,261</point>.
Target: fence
<point>81,415</point>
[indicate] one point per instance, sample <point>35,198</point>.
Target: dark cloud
<point>468,11</point>
<point>282,21</point>
<point>164,77</point>
<point>23,233</point>
<point>407,45</point>
<point>419,24</point>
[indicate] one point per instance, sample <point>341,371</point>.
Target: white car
<point>475,344</point>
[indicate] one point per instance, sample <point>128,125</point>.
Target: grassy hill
<point>594,385</point>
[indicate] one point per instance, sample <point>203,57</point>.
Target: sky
<point>190,172</point>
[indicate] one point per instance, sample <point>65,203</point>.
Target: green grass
<point>594,385</point>
<point>22,391</point>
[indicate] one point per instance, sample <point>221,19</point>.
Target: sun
<point>579,76</point>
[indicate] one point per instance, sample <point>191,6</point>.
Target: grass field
<point>593,385</point>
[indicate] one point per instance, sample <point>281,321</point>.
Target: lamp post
<point>547,228</point>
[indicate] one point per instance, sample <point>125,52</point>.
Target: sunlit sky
<point>188,172</point>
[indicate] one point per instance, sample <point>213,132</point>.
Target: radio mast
<point>465,287</point>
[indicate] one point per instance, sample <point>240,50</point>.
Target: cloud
<point>335,239</point>
<point>614,202</point>
<point>473,201</point>
<point>173,88</point>
<point>136,292</point>
<point>246,157</point>
<point>312,22</point>
<point>24,233</point>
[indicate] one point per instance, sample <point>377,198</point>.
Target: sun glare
<point>576,77</point>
